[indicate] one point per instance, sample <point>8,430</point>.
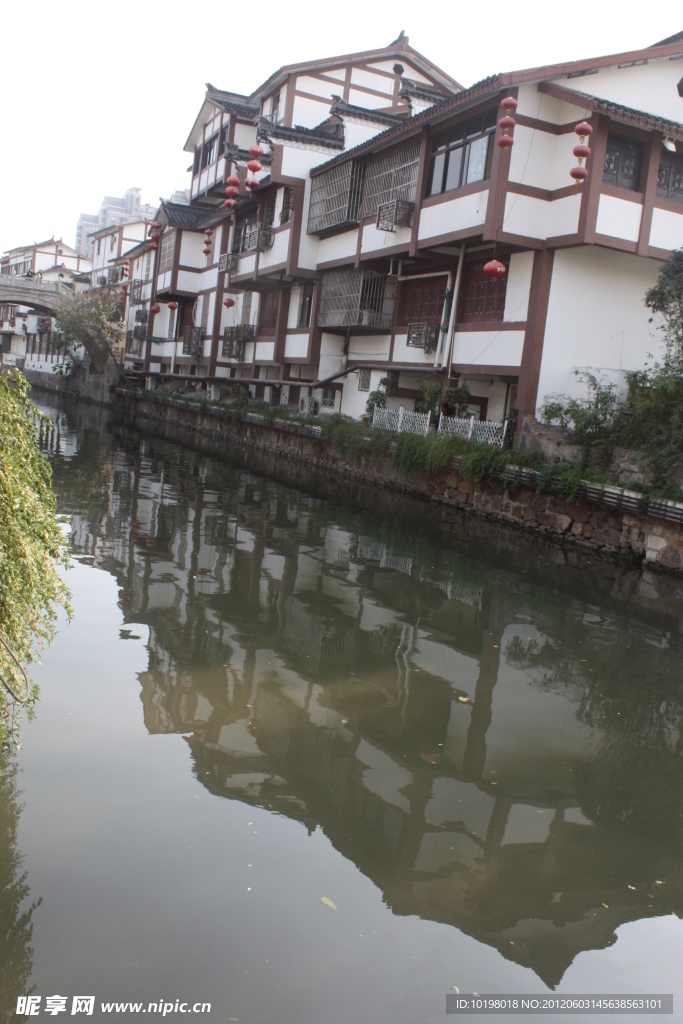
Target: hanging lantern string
<point>581,152</point>
<point>507,123</point>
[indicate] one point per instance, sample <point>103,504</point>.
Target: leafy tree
<point>32,545</point>
<point>94,321</point>
<point>666,302</point>
<point>434,397</point>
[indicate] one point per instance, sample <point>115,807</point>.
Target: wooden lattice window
<point>268,313</point>
<point>623,161</point>
<point>422,301</point>
<point>286,214</point>
<point>269,211</point>
<point>167,252</point>
<point>484,297</point>
<point>670,177</point>
<point>364,379</point>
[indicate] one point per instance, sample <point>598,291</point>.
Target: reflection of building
<point>435,719</point>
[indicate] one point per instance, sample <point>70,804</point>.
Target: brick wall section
<point>299,454</point>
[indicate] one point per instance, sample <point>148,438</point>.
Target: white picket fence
<point>473,430</point>
<point>400,421</point>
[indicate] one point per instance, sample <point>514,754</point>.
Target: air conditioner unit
<point>395,214</point>
<point>232,262</point>
<point>114,276</point>
<point>140,331</point>
<point>424,336</point>
<point>101,280</point>
<point>223,263</point>
<point>259,239</point>
<point>304,403</point>
<point>141,316</point>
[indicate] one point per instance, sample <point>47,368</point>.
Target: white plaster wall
<point>541,159</point>
<point>296,163</point>
<point>537,218</point>
<point>191,245</point>
<point>373,346</point>
<point>265,350</point>
<point>367,100</point>
<point>245,135</point>
<point>411,72</point>
<point>596,318</point>
<point>532,103</point>
<point>278,254</point>
<point>188,282</point>
<point>618,218</point>
<point>209,278</point>
<point>519,283</point>
<point>488,348</point>
<point>380,83</point>
<point>331,355</point>
<point>354,401</point>
<point>246,264</point>
<point>308,244</point>
<point>355,134</point>
<point>296,346</point>
<point>337,247</point>
<point>309,113</point>
<point>316,86</point>
<point>455,215</point>
<point>666,231</point>
<point>404,353</point>
<point>493,389</point>
<point>373,239</point>
<point>650,87</point>
<point>163,280</point>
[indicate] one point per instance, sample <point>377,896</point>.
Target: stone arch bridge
<point>44,296</point>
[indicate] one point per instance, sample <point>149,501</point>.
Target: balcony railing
<point>233,347</point>
<point>357,298</point>
<point>192,342</point>
<point>259,240</point>
<point>133,344</point>
<point>336,198</point>
<point>392,177</point>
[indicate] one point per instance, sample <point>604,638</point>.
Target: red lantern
<point>230,204</point>
<point>232,191</point>
<point>233,181</point>
<point>228,303</point>
<point>256,151</point>
<point>154,245</point>
<point>173,306</point>
<point>155,225</point>
<point>155,308</point>
<point>578,174</point>
<point>507,122</point>
<point>509,103</point>
<point>582,151</point>
<point>208,231</point>
<point>494,268</point>
<point>583,129</point>
<point>207,251</point>
<point>506,142</point>
<point>155,236</point>
<point>252,184</point>
<point>254,166</point>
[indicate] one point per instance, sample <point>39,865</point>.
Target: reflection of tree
<point>16,926</point>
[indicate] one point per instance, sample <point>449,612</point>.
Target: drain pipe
<point>454,306</point>
<point>444,334</point>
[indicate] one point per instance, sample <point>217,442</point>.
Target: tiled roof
<point>350,110</point>
<point>179,216</point>
<point>310,136</point>
<point>589,102</point>
<point>486,85</point>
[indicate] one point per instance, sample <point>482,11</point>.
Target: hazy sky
<point>98,97</point>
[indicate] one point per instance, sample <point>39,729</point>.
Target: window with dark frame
<point>269,211</point>
<point>244,223</point>
<point>286,212</point>
<point>623,162</point>
<point>197,160</point>
<point>275,107</point>
<point>305,306</point>
<point>422,301</point>
<point>329,397</point>
<point>364,379</point>
<point>484,297</point>
<point>268,312</point>
<point>670,177</point>
<point>463,155</point>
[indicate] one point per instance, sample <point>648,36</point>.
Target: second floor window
<point>244,223</point>
<point>286,212</point>
<point>484,297</point>
<point>268,313</point>
<point>623,161</point>
<point>463,155</point>
<point>210,152</point>
<point>670,177</point>
<point>167,252</point>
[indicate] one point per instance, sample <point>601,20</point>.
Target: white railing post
<point>400,418</point>
<point>438,430</point>
<point>374,417</point>
<point>471,428</point>
<point>429,416</point>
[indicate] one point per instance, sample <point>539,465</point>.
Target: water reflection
<point>16,913</point>
<point>501,756</point>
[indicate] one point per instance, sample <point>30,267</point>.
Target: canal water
<point>309,764</point>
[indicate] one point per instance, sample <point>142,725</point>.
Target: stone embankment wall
<point>81,384</point>
<point>299,455</point>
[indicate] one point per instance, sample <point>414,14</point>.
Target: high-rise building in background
<point>113,210</point>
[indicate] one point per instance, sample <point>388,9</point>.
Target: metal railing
<point>336,197</point>
<point>392,177</point>
<point>471,429</point>
<point>357,298</point>
<point>401,421</point>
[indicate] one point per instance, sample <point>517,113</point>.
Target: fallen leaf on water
<point>430,756</point>
<point>632,887</point>
<point>465,700</point>
<point>328,902</point>
<point>605,906</point>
